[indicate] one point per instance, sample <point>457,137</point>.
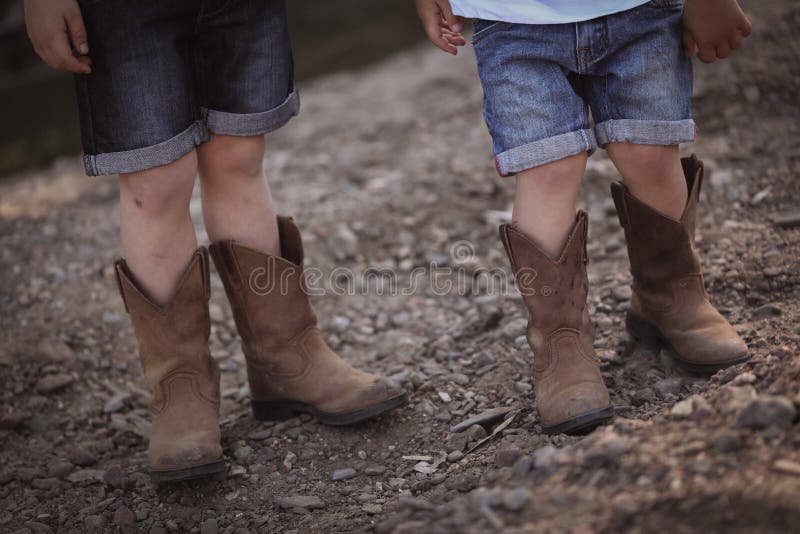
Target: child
<point>167,90</point>
<point>543,64</point>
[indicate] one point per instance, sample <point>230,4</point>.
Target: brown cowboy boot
<point>669,306</point>
<point>569,388</point>
<point>290,367</point>
<point>173,345</point>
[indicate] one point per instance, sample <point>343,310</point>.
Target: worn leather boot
<point>173,345</point>
<point>669,306</point>
<point>569,388</point>
<point>290,367</point>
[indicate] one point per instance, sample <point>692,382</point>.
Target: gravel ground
<point>390,168</point>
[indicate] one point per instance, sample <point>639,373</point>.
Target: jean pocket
<point>665,4</point>
<point>482,28</point>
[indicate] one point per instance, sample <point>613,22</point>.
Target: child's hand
<point>56,30</point>
<point>712,28</point>
<point>443,28</point>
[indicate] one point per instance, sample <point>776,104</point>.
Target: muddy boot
<point>173,345</point>
<point>569,388</point>
<point>669,306</point>
<point>290,367</point>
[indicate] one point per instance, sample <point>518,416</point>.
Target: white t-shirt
<point>540,11</point>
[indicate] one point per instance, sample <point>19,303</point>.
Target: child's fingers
<point>735,41</point>
<point>746,27</point>
<point>453,22</point>
<point>707,53</point>
<point>64,58</point>
<point>77,31</point>
<point>723,51</point>
<point>435,36</point>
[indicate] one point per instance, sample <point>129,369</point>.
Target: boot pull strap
<point>618,195</point>
<point>119,264</point>
<point>205,270</point>
<point>507,246</point>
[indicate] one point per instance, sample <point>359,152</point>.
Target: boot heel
<point>273,410</point>
<point>642,331</point>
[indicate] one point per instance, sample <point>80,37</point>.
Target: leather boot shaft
<point>290,366</point>
<point>184,379</point>
<point>569,388</point>
<point>669,304</point>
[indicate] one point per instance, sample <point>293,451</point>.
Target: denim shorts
<point>555,90</point>
<point>166,74</point>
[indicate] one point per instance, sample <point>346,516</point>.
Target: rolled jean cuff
<point>645,132</point>
<point>244,124</point>
<point>545,151</point>
<point>140,159</point>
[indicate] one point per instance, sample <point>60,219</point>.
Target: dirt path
<point>391,168</point>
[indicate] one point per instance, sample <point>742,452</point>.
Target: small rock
<point>744,378</point>
<point>727,441</point>
<point>668,386</point>
<point>45,483</point>
<point>53,383</point>
<point>375,470</point>
<point>81,456</point>
<point>114,477</point>
<point>308,502</point>
<point>476,433</point>
<point>522,466</point>
<point>515,328</point>
<point>523,387</point>
<point>372,509</point>
<point>607,447</point>
<point>11,421</point>
<point>622,293</point>
<point>209,526</point>
<point>455,456</point>
<point>343,474</point>
<point>60,468</point>
<point>788,219</point>
<point>53,350</point>
<point>116,402</point>
<point>260,435</point>
<point>94,523</point>
<point>695,407</point>
<point>516,499</point>
<point>456,442</point>
<point>242,452</point>
<point>766,411</point>
<point>507,456</point>
<point>767,310</point>
<point>445,396</point>
<point>125,520</point>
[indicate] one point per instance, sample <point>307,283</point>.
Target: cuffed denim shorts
<point>555,90</point>
<point>167,73</point>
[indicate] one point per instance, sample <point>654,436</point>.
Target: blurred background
<point>38,105</point>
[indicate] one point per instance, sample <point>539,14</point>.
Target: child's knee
<point>228,157</point>
<point>161,190</point>
<point>645,155</point>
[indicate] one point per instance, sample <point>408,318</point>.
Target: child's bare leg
<point>653,174</point>
<point>157,233</point>
<point>545,202</point>
<point>237,203</point>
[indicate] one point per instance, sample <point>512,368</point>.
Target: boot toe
<point>184,454</point>
<point>574,402</point>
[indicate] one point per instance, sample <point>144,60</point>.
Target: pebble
<point>260,435</point>
<point>11,421</point>
<point>476,433</point>
<point>766,411</point>
<point>45,483</point>
<point>114,477</point>
<point>308,502</point>
<point>53,350</point>
<point>343,474</point>
<point>81,456</point>
<point>457,442</point>
<point>483,418</point>
<point>668,386</point>
<point>60,468</point>
<point>515,328</point>
<point>94,523</point>
<point>209,526</point>
<point>242,452</point>
<point>116,402</point>
<point>455,456</point>
<point>507,456</point>
<point>516,499</point>
<point>768,310</point>
<point>125,520</point>
<point>372,509</point>
<point>607,447</point>
<point>622,293</point>
<point>375,470</point>
<point>522,466</point>
<point>695,407</point>
<point>53,383</point>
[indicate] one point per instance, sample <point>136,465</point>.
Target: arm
<point>56,29</point>
<point>713,28</point>
<point>442,27</point>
